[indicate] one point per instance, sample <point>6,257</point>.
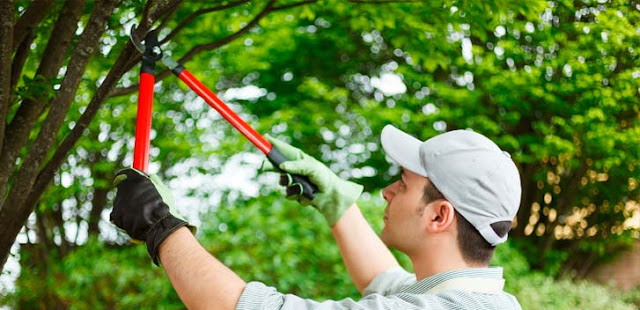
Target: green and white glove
<point>334,195</point>
<point>144,208</point>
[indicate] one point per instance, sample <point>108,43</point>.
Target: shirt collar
<point>426,284</point>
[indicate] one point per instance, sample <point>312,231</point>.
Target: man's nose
<point>388,192</point>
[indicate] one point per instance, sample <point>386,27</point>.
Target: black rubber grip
<point>148,66</point>
<point>308,189</point>
<point>177,70</point>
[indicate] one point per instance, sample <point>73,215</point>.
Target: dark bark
<point>44,254</point>
<point>529,190</point>
<point>123,64</point>
<point>6,37</point>
<point>565,202</point>
<point>98,204</point>
<point>29,21</point>
<point>168,17</point>
<point>43,239</point>
<point>157,9</point>
<point>20,58</point>
<point>58,221</point>
<point>13,212</point>
<point>99,201</point>
<point>18,131</point>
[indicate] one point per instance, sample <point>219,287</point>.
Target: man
<point>454,202</point>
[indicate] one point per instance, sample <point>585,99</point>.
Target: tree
<point>33,143</point>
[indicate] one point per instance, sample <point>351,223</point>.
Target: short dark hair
<point>474,248</point>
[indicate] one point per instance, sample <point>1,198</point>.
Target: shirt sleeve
<point>390,282</point>
<point>257,296</point>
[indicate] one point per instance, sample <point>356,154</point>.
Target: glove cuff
<point>349,194</point>
<point>160,231</point>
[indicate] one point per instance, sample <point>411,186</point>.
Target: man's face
<point>403,225</point>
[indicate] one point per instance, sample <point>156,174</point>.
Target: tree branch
<point>6,37</point>
<point>18,131</point>
<point>198,13</point>
<point>129,90</point>
<point>169,15</point>
<point>127,59</point>
<point>121,66</point>
<point>13,212</point>
<point>30,20</point>
<point>20,57</point>
<point>215,44</point>
<point>41,232</point>
<point>99,200</point>
<point>164,8</point>
<point>203,47</point>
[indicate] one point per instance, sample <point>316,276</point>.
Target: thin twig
<point>167,17</point>
<point>209,46</point>
<point>203,47</point>
<point>198,13</point>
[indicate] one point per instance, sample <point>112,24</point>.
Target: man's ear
<point>442,216</point>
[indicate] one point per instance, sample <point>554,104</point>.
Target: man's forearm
<point>364,254</point>
<point>202,282</point>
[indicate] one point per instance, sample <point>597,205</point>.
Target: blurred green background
<point>554,83</point>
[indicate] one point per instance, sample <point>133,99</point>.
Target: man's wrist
<point>160,232</point>
<point>344,218</point>
<point>176,237</point>
<point>349,194</point>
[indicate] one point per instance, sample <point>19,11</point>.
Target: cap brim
<point>403,149</point>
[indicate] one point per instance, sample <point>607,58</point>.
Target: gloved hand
<point>144,209</point>
<point>334,195</point>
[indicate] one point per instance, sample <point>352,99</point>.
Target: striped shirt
<point>392,289</point>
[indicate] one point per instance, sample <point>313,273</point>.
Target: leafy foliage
<point>555,83</point>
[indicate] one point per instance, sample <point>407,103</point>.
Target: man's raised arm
<point>144,209</point>
<point>202,281</point>
<point>363,252</point>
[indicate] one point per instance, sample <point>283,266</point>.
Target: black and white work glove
<point>144,209</point>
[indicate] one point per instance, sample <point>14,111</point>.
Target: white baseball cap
<point>474,175</point>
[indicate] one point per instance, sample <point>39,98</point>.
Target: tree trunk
<point>99,201</point>
<point>30,110</point>
<point>122,65</point>
<point>6,47</point>
<point>13,213</point>
<point>529,190</point>
<point>98,204</point>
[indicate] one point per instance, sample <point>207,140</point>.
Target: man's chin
<point>384,236</point>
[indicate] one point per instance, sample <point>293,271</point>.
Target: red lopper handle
<point>224,110</point>
<point>143,122</point>
<point>307,188</point>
